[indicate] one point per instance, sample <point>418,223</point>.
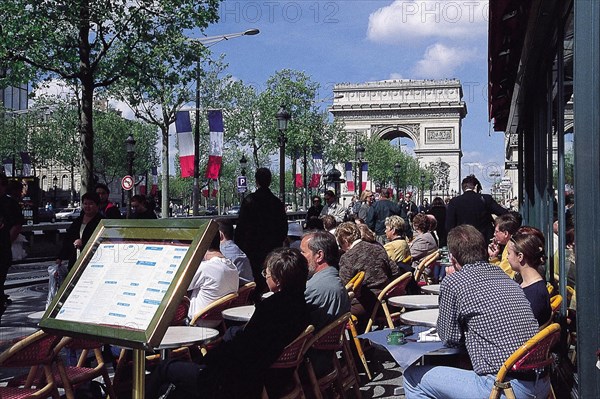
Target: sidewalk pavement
<point>17,322</point>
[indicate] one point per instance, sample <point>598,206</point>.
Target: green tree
<point>93,43</point>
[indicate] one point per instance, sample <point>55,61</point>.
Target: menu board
<point>128,280</point>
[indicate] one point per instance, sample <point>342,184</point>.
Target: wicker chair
<point>423,265</point>
<point>355,282</point>
<point>395,288</point>
<point>211,315</point>
<point>244,294</point>
<point>291,358</point>
<point>32,351</point>
<point>534,355</point>
<point>332,338</point>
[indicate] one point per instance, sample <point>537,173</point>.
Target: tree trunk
<point>87,136</point>
<point>164,203</point>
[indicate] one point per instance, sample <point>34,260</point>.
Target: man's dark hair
<point>470,183</point>
<point>103,187</point>
<point>263,177</point>
<point>437,201</point>
<point>91,196</point>
<point>314,223</point>
<point>215,243</point>
<point>140,199</point>
<point>385,193</point>
<point>226,227</point>
<point>467,245</point>
<point>321,240</point>
<point>329,222</point>
<point>507,223</point>
<point>289,268</point>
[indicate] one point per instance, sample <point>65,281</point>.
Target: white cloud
<point>396,76</point>
<point>406,20</point>
<point>441,61</point>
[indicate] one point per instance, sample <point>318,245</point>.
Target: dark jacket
<point>378,212</point>
<point>474,209</point>
<point>261,227</point>
<point>68,251</point>
<point>439,212</point>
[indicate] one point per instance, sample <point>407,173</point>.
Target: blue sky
<point>356,41</point>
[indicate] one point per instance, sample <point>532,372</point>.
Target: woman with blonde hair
<point>397,247</point>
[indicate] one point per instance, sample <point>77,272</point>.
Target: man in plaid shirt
<point>482,309</point>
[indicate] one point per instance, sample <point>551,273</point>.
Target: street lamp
<point>130,148</point>
<point>397,172</point>
<point>206,42</point>
<point>422,187</point>
<point>55,183</point>
<point>430,189</point>
<point>360,154</point>
<point>283,117</point>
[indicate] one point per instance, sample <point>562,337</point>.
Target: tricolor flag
<point>364,175</point>
<point>142,180</point>
<point>8,167</point>
<point>26,164</point>
<point>215,155</point>
<point>298,181</point>
<point>315,179</point>
<point>154,189</point>
<point>349,177</point>
<point>215,190</point>
<point>183,126</point>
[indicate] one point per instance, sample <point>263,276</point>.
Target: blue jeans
<point>448,382</point>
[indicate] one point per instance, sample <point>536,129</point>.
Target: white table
<point>178,336</point>
<point>426,317</point>
<point>239,313</point>
<point>415,301</point>
<point>431,289</point>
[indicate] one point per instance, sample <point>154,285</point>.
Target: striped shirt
<point>483,309</point>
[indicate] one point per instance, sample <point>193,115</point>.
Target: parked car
<point>211,211</point>
<point>45,216</point>
<point>68,214</point>
<point>234,210</point>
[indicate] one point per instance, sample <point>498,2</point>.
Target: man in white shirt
<point>232,252</point>
<point>216,277</point>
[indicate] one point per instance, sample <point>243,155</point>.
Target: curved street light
<point>283,118</point>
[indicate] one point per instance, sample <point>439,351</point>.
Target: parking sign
<point>242,184</point>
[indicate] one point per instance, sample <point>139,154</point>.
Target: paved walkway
<point>28,300</point>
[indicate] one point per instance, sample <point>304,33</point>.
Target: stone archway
<point>429,112</point>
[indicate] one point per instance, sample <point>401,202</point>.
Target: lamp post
<point>430,190</point>
<point>243,163</point>
<point>130,148</point>
<point>55,182</point>
<point>206,42</point>
<point>397,172</point>
<point>422,187</point>
<point>360,154</point>
<point>283,117</point>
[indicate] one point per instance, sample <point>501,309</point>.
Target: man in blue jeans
<point>482,309</point>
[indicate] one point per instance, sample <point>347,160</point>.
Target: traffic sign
<point>127,183</point>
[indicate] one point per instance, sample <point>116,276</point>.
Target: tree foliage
<point>93,43</point>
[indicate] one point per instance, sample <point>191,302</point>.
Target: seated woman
<point>395,232</point>
<point>360,255</point>
<point>423,243</point>
<point>237,367</point>
<point>525,255</point>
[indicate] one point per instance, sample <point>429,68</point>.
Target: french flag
<point>364,175</point>
<point>315,179</point>
<point>26,164</point>
<point>298,180</point>
<point>215,154</point>
<point>349,177</point>
<point>143,184</point>
<point>185,140</point>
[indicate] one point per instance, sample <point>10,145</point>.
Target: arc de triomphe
<point>429,112</point>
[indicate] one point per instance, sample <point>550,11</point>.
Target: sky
<point>357,41</point>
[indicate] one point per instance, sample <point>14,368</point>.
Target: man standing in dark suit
<point>473,208</point>
<point>262,225</point>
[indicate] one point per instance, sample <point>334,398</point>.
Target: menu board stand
<point>127,282</point>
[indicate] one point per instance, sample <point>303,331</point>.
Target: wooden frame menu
<point>128,281</point>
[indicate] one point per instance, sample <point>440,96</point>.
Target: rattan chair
<point>291,358</point>
<point>244,294</point>
<point>70,376</point>
<point>423,265</point>
<point>34,351</point>
<point>395,288</point>
<point>533,356</point>
<point>355,282</point>
<point>211,315</point>
<point>332,339</point>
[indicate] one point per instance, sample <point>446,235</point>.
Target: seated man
<point>325,294</point>
<point>216,277</point>
<point>506,226</point>
<point>483,309</point>
<point>232,252</point>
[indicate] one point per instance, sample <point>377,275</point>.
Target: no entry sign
<point>127,183</point>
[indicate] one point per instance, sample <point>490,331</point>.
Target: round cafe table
<point>425,317</point>
<point>178,336</point>
<point>415,301</point>
<point>431,289</point>
<point>239,313</point>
